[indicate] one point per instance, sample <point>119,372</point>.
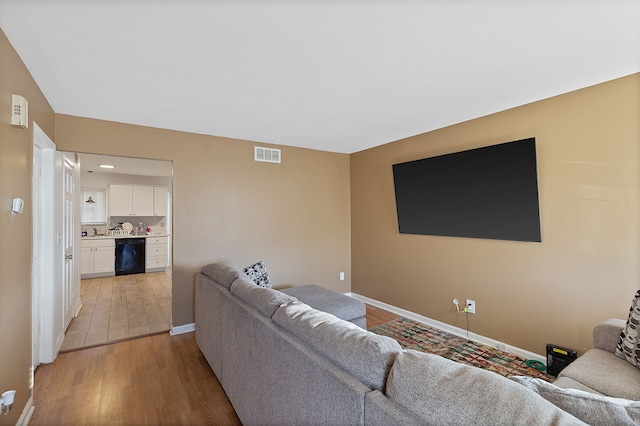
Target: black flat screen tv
<point>489,192</point>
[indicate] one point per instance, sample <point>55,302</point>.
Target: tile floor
<point>116,308</point>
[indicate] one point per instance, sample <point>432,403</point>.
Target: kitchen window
<point>94,207</point>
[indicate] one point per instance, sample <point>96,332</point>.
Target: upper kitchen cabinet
<point>160,201</point>
<point>142,201</point>
<point>137,200</point>
<point>120,200</point>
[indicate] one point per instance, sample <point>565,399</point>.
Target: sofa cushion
<point>258,274</point>
<point>589,407</point>
<point>605,373</point>
<point>222,273</point>
<point>325,300</point>
<point>445,393</point>
<point>266,300</point>
<point>629,345</point>
<point>366,355</point>
<point>567,383</point>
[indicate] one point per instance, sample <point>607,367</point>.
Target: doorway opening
<point>120,307</point>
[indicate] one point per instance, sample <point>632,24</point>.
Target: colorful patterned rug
<point>414,335</point>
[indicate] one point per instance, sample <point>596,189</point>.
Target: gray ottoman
<point>322,299</point>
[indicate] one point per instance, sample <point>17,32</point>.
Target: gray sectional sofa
<point>282,362</point>
<point>599,370</point>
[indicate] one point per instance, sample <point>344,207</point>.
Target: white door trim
<point>47,332</point>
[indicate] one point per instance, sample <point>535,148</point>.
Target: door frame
<point>47,333</point>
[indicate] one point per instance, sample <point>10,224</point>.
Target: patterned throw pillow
<point>258,274</point>
<point>629,345</point>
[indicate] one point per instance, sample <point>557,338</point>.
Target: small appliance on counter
<point>92,233</point>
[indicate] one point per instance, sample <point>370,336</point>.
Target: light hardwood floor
<point>154,380</point>
<point>377,316</point>
<point>117,308</point>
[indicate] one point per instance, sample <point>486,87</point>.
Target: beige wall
<point>319,213</point>
<point>585,270</point>
<point>295,215</point>
<point>15,230</point>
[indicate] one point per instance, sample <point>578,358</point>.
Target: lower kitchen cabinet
<point>97,258</point>
<point>157,253</point>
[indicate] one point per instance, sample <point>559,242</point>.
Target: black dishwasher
<point>130,256</point>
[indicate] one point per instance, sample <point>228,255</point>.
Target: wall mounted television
<point>489,192</point>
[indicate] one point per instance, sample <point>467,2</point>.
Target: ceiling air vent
<point>268,155</point>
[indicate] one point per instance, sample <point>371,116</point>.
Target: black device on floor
<point>558,358</point>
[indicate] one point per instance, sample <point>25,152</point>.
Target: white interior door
<point>37,255</point>
<point>68,239</point>
<point>48,333</point>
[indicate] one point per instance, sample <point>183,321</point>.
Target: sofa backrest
<point>222,273</point>
<point>363,354</point>
<point>273,378</point>
<point>265,300</point>
<point>447,392</point>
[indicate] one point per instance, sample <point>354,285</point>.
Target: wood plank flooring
<point>154,380</point>
<point>117,308</point>
<point>377,316</point>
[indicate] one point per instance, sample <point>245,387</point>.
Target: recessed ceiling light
<point>107,166</point>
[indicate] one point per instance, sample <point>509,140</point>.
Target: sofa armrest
<point>607,334</point>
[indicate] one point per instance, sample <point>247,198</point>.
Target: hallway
<point>121,307</point>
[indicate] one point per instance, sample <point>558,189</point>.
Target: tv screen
<point>489,192</point>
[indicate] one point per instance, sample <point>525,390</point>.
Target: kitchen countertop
<point>106,237</point>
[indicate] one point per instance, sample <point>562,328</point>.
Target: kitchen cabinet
<point>137,200</point>
<point>157,253</point>
<point>120,200</point>
<point>160,201</point>
<point>97,257</point>
<point>142,201</point>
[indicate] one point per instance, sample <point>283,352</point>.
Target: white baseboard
<point>76,309</point>
<point>522,353</point>
<point>27,412</point>
<point>181,329</point>
<point>58,346</point>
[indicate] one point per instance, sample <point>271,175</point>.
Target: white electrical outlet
<point>341,276</point>
<point>471,306</point>
<point>455,302</point>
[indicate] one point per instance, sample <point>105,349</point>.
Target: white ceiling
<point>125,165</point>
<point>332,75</point>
